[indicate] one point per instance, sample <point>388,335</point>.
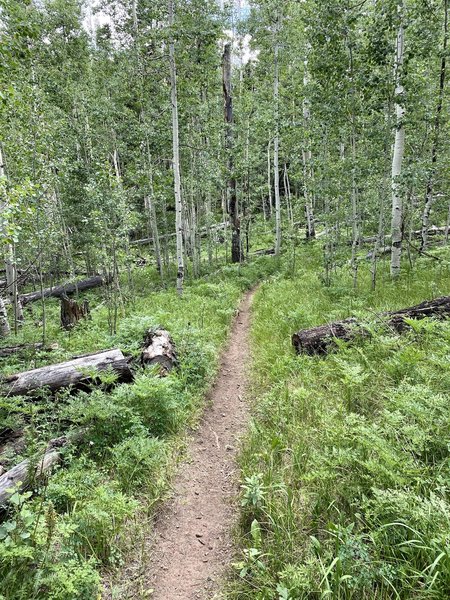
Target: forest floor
<point>191,547</point>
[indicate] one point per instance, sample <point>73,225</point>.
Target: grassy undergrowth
<point>55,543</point>
<point>346,466</point>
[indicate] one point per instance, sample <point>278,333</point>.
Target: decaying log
<point>37,347</point>
<point>74,372</point>
<point>158,348</point>
<point>72,312</point>
<point>318,340</point>
<point>65,289</point>
<point>25,473</point>
<point>264,252</point>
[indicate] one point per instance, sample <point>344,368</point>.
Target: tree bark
<point>399,148</point>
<point>159,349</point>
<point>74,372</point>
<point>319,340</point>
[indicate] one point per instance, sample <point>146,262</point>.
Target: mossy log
<point>77,372</point>
<point>319,340</point>
<point>159,349</point>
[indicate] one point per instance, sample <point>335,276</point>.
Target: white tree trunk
<point>269,176</point>
<point>306,157</point>
<point>399,149</point>
<point>4,325</point>
<point>10,263</point>
<point>276,144</point>
<point>176,157</point>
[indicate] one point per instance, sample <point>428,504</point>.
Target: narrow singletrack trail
<point>193,545</point>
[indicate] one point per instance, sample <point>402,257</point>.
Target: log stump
<point>72,312</point>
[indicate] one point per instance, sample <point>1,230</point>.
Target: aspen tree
<point>176,155</point>
<point>429,195</point>
<point>399,149</point>
<point>276,141</point>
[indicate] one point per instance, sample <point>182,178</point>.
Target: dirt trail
<point>193,546</point>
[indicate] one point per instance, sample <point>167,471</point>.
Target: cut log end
<point>158,349</point>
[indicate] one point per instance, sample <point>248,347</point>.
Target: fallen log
<point>65,289</point>
<point>318,340</point>
<point>159,349</point>
<point>23,475</point>
<point>72,312</point>
<point>77,372</point>
<point>37,347</point>
<point>264,252</point>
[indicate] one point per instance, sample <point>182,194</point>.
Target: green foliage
<point>347,460</point>
<point>126,437</point>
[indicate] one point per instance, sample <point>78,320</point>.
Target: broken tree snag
<point>25,473</point>
<point>66,289</point>
<point>158,348</point>
<point>318,340</point>
<point>76,372</point>
<point>72,312</point>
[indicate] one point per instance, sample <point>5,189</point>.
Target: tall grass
<point>55,543</point>
<point>345,471</point>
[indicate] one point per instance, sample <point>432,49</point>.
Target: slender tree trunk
<point>176,156</point>
<point>429,199</point>
<point>269,176</point>
<point>276,143</point>
<point>233,206</point>
<point>4,325</point>
<point>307,158</point>
<point>10,264</point>
<point>399,149</point>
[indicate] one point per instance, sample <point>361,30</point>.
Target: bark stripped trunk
<point>232,201</point>
<point>176,156</point>
<point>429,198</point>
<point>22,476</point>
<point>74,372</point>
<point>399,148</point>
<point>159,349</point>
